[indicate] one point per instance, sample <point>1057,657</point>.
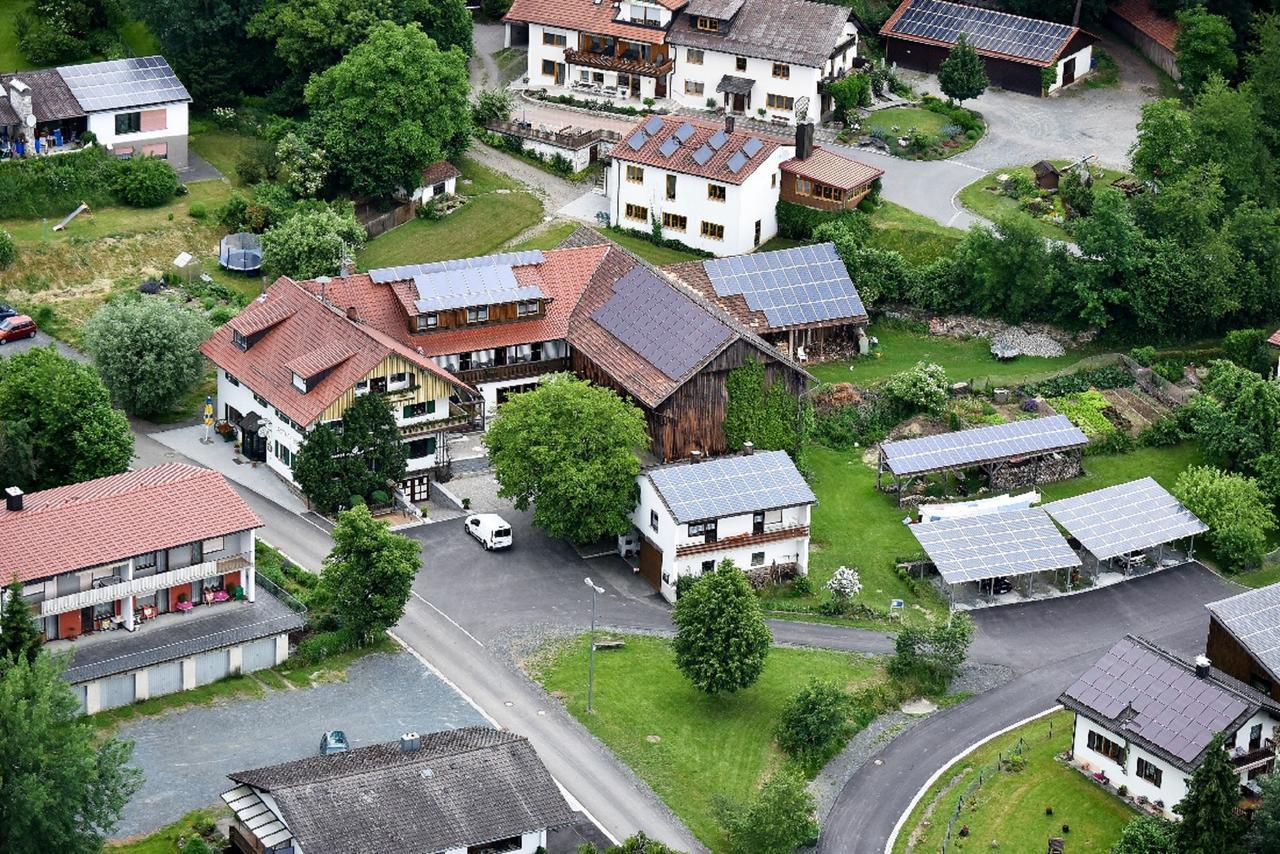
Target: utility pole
<point>591,654</point>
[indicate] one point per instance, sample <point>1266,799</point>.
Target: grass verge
<point>549,238</point>
<point>165,840</point>
<point>905,118</point>
<point>918,238</point>
<point>983,198</point>
<point>478,228</point>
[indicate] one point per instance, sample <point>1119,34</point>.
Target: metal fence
<point>280,593</point>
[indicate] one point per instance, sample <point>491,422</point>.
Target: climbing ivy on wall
<point>772,418</point>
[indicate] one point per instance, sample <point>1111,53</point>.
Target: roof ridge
<point>1218,678</point>
<point>194,471</point>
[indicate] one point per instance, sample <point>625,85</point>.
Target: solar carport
<point>991,449</point>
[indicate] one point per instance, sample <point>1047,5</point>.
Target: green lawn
<point>686,745</point>
<point>478,228</point>
<point>1258,577</point>
<point>224,148</point>
<point>1008,808</point>
<point>11,59</point>
<point>478,179</point>
<point>550,238</point>
<point>1163,464</point>
<point>905,118</point>
<point>964,360</point>
<point>651,252</point>
<point>918,238</point>
<point>165,840</point>
<point>982,198</point>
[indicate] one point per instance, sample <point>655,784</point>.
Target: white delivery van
<point>490,529</point>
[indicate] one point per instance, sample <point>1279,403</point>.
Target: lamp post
<point>591,654</point>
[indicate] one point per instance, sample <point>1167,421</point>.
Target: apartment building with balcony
<point>616,50</point>
<point>752,508</point>
<point>295,359</point>
<point>148,579</point>
<point>748,56</point>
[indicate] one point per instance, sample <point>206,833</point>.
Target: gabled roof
<point>116,518</point>
<point>1139,15</point>
<point>130,83</point>
<point>990,33</point>
<point>1253,619</point>
<point>51,100</point>
<point>588,16</point>
<point>798,32</point>
<point>1155,699</point>
<point>833,169</point>
<point>460,788</point>
<point>441,170</point>
<point>729,486</point>
<point>706,141</point>
<point>302,330</point>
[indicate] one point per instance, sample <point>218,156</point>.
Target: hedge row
<point>54,186</point>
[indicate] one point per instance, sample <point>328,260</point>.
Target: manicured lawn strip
<point>1258,577</point>
<point>1008,807</point>
<point>918,238</point>
<point>550,238</point>
<point>478,228</point>
<point>708,746</point>
<point>980,197</point>
<point>478,179</point>
<point>1163,464</point>
<point>165,840</point>
<point>651,252</point>
<point>224,148</point>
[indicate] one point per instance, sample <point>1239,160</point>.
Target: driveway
<point>41,340</point>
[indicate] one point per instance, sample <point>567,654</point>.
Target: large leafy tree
<point>1264,832</point>
<point>368,575</point>
<point>147,351</point>
<point>814,722</point>
<point>1165,146</point>
<point>1146,834</point>
<point>56,422</point>
<point>394,104</point>
<point>1209,824</point>
<point>569,449</point>
<point>19,637</point>
<point>64,786</point>
<point>721,638</point>
<point>778,820</point>
<point>962,74</point>
<point>1204,47</point>
<point>366,456</point>
<point>1234,507</point>
<point>311,242</point>
<point>932,653</point>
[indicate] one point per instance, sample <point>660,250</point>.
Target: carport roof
<point>975,548</point>
<point>1125,517</point>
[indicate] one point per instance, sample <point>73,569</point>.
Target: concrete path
<point>222,456</point>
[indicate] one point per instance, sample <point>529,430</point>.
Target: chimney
<point>352,314</point>
<point>1202,666</point>
<point>410,742</point>
<point>804,140</point>
<point>695,457</point>
<point>728,124</point>
<point>748,448</point>
<point>13,499</point>
<point>20,100</point>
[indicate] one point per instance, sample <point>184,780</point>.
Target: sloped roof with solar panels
<point>991,33</point>
<point>992,545</point>
<point>729,486</point>
<point>485,280</point>
<point>697,147</point>
<point>965,448</point>
<point>117,84</point>
<point>1253,619</point>
<point>1124,518</point>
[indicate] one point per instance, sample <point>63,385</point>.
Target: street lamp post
<point>591,654</point>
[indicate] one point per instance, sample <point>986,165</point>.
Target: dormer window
<point>300,383</point>
<point>526,308</point>
<point>478,315</point>
<point>707,25</point>
<point>242,343</point>
<point>427,321</point>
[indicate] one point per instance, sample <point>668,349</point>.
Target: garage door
<point>82,694</point>
<point>212,666</point>
<point>258,655</point>
<point>651,563</point>
<point>117,691</point>
<point>164,679</point>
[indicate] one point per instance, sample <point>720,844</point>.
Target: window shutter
<point>431,407</point>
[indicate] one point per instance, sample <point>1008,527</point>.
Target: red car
<point>17,327</point>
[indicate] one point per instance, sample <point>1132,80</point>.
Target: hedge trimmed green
<point>54,186</point>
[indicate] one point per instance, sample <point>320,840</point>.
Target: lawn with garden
<point>933,130</point>
<point>991,197</point>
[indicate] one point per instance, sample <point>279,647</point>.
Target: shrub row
<point>1111,376</point>
<point>54,186</point>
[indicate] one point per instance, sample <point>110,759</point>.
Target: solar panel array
<point>383,275</point>
<point>666,328</point>
<point>1124,518</point>
<point>717,142</point>
<point>728,486</point>
<point>670,147</point>
<point>470,286</point>
<point>653,125</point>
<point>752,146</point>
<point>702,155</point>
<point>736,162</point>
<point>119,83</point>
<point>683,133</point>
<point>1157,699</point>
<point>995,442</point>
<point>996,32</point>
<point>807,284</point>
<point>637,140</point>
<point>974,548</point>
<point>1253,618</point>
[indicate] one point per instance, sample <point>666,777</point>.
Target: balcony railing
<point>771,534</point>
<point>1252,757</point>
<point>624,63</point>
<point>520,371</point>
<point>142,586</point>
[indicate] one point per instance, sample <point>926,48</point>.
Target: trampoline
<point>241,252</point>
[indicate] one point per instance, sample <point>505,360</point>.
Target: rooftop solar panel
<point>383,275</point>
<point>119,83</point>
<point>653,125</point>
<point>974,548</point>
<point>752,147</point>
<point>969,447</point>
<point>670,147</point>
<point>702,155</point>
<point>1253,618</point>
<point>806,284</point>
<point>727,486</point>
<point>637,140</point>
<point>736,162</point>
<point>470,286</point>
<point>1124,518</point>
<point>717,142</point>
<point>683,132</point>
<point>662,325</point>
<point>986,30</point>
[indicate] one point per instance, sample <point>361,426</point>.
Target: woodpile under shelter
<point>1016,454</point>
<point>1016,50</point>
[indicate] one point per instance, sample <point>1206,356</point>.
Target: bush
<point>684,583</point>
<point>1112,376</point>
<point>1162,433</point>
<point>850,93</point>
<point>1018,186</point>
<point>814,723</point>
<point>321,645</point>
<point>845,584</point>
<point>560,164</point>
<point>801,585</point>
<point>492,105</point>
<point>146,182</point>
<point>922,388</point>
<point>234,213</point>
<point>1143,355</point>
<point>8,250</point>
<point>1236,510</point>
<point>1248,349</point>
<point>311,243</point>
<point>53,186</point>
<point>198,211</point>
<point>797,222</point>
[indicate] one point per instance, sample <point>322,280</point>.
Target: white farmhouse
<point>765,57</point>
<point>752,509</point>
<point>1145,717</point>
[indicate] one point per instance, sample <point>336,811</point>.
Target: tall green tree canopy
<point>394,104</point>
<point>1234,507</point>
<point>962,74</point>
<point>64,787</point>
<point>365,457</point>
<point>1264,831</point>
<point>147,351</point>
<point>56,422</point>
<point>721,638</point>
<point>569,449</point>
<point>368,575</point>
<point>1204,47</point>
<point>19,637</point>
<point>1209,824</point>
<point>311,242</point>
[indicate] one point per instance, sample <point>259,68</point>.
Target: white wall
<point>539,51</point>
<point>103,125</point>
<point>803,82</point>
<point>1083,57</point>
<point>426,194</point>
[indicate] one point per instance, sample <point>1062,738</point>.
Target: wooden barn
<point>1244,638</point>
<point>635,332</point>
<point>1016,50</point>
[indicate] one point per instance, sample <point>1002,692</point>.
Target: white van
<point>490,529</point>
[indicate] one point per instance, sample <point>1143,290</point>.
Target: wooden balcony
<point>142,586</point>
<point>523,370</point>
<point>1245,758</point>
<point>623,64</point>
<point>771,534</point>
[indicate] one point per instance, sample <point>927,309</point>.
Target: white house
<point>709,186</point>
<point>462,791</point>
<point>752,508</point>
<point>135,106</point>
<point>761,57</point>
<point>1144,719</point>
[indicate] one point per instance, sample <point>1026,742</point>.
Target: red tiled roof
<point>117,517</point>
<point>249,322</point>
<point>309,326</point>
<point>587,16</point>
<point>320,359</point>
<point>716,168</point>
<point>1144,19</point>
<point>439,171</point>
<point>835,170</point>
<point>1275,338</point>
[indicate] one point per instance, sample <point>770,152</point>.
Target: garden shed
<point>1046,174</point>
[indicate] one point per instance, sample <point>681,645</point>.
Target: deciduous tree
<point>814,722</point>
<point>721,638</point>
<point>365,457</point>
<point>1209,824</point>
<point>367,576</point>
<point>962,74</point>
<point>778,820</point>
<point>1146,834</point>
<point>1234,507</point>
<point>311,243</point>
<point>1203,47</point>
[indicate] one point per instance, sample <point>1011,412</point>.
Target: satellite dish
<point>263,431</point>
<point>30,120</point>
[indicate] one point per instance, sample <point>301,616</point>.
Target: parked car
<point>490,529</point>
<point>7,310</point>
<point>333,741</point>
<point>16,327</point>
